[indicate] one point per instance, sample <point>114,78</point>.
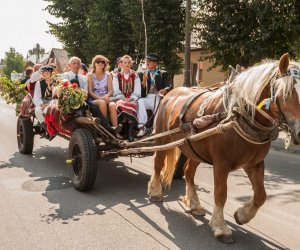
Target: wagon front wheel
<point>83,160</point>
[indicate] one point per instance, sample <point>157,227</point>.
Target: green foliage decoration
<point>12,91</point>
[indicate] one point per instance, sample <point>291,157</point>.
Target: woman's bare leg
<point>113,114</point>
<point>102,104</point>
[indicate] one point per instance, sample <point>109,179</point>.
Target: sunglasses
<point>98,62</point>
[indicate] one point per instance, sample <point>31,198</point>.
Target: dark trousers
<point>103,121</point>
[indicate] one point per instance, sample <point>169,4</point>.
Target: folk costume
<point>42,95</point>
<point>156,80</point>
<point>127,86</point>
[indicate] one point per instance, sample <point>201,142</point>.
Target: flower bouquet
<point>70,97</point>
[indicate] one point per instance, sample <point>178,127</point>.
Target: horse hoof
<point>226,239</point>
<point>155,198</point>
<point>237,218</point>
<point>198,211</point>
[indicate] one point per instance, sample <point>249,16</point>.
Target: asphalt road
<point>41,210</point>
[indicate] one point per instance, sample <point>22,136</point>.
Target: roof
<point>44,57</point>
<point>61,57</point>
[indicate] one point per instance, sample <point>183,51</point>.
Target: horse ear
<point>284,63</point>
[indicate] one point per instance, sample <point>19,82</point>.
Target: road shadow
<point>117,184</point>
<point>280,170</point>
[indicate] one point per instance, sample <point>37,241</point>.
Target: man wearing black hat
<point>153,80</point>
<point>43,93</point>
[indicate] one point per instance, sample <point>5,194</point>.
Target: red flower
<point>74,85</point>
<point>66,84</point>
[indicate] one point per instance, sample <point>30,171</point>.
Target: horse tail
<point>172,156</point>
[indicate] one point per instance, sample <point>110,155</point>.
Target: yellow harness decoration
<point>265,102</point>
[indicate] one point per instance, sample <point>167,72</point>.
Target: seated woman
<point>43,94</point>
<point>127,90</point>
<point>100,88</point>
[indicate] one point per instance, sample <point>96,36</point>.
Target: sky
<point>23,25</point>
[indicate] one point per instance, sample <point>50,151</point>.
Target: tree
<point>114,28</point>
<point>13,61</point>
<point>72,31</point>
<point>245,32</point>
<point>165,28</point>
<point>110,31</point>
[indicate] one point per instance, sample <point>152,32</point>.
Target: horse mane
<point>248,86</point>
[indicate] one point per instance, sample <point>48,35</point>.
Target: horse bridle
<point>281,121</point>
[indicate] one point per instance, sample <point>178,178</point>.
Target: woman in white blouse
<point>127,90</point>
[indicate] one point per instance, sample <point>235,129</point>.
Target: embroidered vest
<point>45,90</point>
<point>126,86</point>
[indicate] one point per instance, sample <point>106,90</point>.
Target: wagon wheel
<point>83,160</point>
<point>179,171</point>
<point>25,135</point>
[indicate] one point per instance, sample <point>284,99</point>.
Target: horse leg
<point>247,212</point>
<point>154,185</point>
<point>191,199</point>
<point>217,223</point>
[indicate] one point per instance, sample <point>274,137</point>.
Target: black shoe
<point>130,132</point>
<point>118,129</point>
<point>51,137</point>
<point>47,136</point>
<point>44,126</point>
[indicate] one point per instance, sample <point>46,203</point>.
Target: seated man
<point>43,94</point>
<point>153,80</point>
<point>73,74</point>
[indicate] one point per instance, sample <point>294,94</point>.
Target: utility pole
<point>187,51</point>
<point>145,28</point>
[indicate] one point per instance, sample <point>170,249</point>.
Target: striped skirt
<point>127,110</point>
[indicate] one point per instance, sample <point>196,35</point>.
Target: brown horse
<point>275,81</point>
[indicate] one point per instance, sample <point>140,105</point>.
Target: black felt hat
<point>152,57</point>
<point>46,68</point>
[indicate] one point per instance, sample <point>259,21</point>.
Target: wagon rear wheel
<point>25,135</point>
<point>83,155</point>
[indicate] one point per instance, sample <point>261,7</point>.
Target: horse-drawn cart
<point>89,141</point>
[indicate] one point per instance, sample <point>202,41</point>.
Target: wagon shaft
<point>221,128</point>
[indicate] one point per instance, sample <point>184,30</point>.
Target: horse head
<point>287,87</point>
